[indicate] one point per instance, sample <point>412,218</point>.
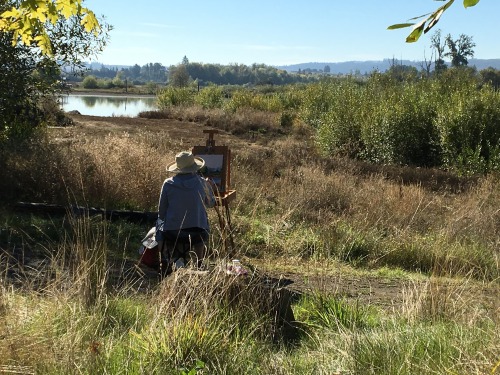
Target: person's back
<point>182,206</point>
<point>183,202</point>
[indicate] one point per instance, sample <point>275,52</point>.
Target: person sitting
<point>182,210</point>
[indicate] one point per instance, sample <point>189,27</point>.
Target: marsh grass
<point>223,324</point>
<point>294,207</point>
<point>342,212</point>
<point>422,349</point>
<point>322,311</point>
<point>71,318</point>
<point>291,200</point>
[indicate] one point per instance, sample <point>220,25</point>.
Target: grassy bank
<point>83,307</point>
<point>71,314</point>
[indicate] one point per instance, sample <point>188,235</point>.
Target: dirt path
<point>191,133</point>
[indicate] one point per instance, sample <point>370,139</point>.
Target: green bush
<point>317,99</point>
<point>470,130</point>
<point>175,96</point>
<point>430,123</point>
<point>105,83</point>
<point>340,125</point>
<point>246,99</point>
<point>210,97</point>
<point>402,129</point>
<point>90,82</point>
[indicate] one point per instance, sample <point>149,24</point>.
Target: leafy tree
<point>89,82</point>
<point>402,73</point>
<point>17,89</point>
<point>135,71</point>
<point>154,72</point>
<point>32,71</point>
<point>491,76</point>
<point>460,49</point>
<point>30,21</point>
<point>179,76</point>
<point>430,20</point>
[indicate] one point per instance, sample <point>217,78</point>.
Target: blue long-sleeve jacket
<point>184,199</point>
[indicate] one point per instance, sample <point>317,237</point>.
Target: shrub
<point>470,130</point>
<point>175,96</point>
<point>105,83</point>
<point>210,97</point>
<point>339,127</point>
<point>245,99</point>
<point>89,82</point>
<point>317,100</point>
<point>402,129</point>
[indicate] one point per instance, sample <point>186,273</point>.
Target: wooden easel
<point>218,169</point>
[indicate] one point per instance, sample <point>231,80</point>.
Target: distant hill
<point>97,65</point>
<point>351,67</point>
<point>481,64</point>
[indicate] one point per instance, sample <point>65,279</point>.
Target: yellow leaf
<point>41,15</point>
<point>69,8</point>
<point>89,21</point>
<point>43,42</point>
<point>53,17</point>
<point>13,13</point>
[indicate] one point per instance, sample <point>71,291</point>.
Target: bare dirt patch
<point>190,133</point>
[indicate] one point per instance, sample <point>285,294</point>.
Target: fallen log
<point>55,209</point>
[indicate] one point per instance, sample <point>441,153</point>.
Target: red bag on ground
<point>149,252</point>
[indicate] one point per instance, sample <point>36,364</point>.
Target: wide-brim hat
<point>185,162</point>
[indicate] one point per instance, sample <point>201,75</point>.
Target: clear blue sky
<point>279,32</point>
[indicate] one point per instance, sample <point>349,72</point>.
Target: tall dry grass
<point>68,317</point>
<point>293,205</point>
<point>291,200</point>
<point>368,217</point>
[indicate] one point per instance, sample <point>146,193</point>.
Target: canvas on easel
<point>214,169</point>
<point>217,165</point>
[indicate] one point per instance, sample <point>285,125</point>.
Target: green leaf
<point>470,3</point>
<point>418,17</point>
<point>399,26</point>
<point>416,33</point>
<point>447,5</point>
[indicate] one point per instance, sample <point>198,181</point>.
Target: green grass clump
<point>422,349</point>
<point>328,312</point>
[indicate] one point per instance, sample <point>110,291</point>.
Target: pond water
<point>108,105</point>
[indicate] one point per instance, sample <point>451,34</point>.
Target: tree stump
<point>257,295</point>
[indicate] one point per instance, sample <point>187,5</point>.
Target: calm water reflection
<point>103,105</point>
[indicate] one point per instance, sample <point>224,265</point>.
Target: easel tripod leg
<point>230,232</point>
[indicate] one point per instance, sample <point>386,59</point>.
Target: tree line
<point>187,73</point>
